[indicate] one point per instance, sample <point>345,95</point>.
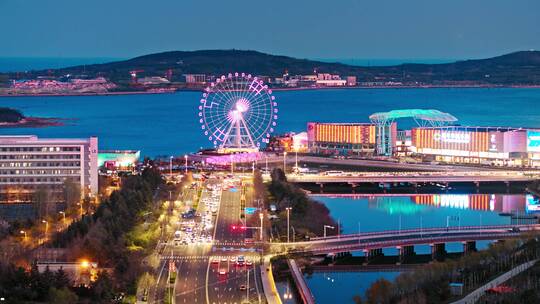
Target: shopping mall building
<point>342,138</point>
<point>433,139</point>
<point>477,145</point>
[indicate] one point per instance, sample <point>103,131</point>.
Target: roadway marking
<point>213,237</point>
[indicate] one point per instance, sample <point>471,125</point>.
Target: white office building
<point>28,163</point>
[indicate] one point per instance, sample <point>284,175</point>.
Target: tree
<point>72,193</point>
<point>379,292</point>
<point>62,296</point>
<point>102,289</point>
<point>41,200</point>
<point>61,279</point>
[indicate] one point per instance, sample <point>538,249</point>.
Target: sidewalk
<point>475,295</point>
<point>269,287</point>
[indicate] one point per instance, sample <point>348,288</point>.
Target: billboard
<point>533,141</point>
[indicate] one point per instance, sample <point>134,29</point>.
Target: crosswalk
<point>241,249</point>
<point>195,257</point>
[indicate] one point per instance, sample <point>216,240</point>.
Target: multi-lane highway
<point>208,271</point>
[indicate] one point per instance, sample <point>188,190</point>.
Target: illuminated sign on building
<point>532,204</point>
<point>452,137</point>
<point>533,141</point>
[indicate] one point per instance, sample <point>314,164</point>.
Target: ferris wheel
<point>238,112</point>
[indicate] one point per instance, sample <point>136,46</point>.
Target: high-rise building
<point>28,163</point>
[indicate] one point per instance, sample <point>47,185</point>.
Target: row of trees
<point>20,286</point>
<point>104,237</point>
<point>430,283</point>
<point>307,216</point>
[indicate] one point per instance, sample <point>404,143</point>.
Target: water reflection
<point>413,203</point>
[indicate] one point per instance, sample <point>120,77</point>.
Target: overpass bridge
<point>416,177</point>
<point>372,243</point>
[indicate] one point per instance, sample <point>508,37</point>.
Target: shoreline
<point>34,122</point>
<point>286,89</point>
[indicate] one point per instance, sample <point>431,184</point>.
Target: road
<point>207,272</point>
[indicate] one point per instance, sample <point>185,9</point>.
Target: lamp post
<point>170,166</point>
<point>46,229</point>
<point>327,226</point>
<point>285,162</point>
<point>185,157</point>
<point>24,232</point>
<point>261,216</point>
<point>288,223</point>
<point>296,160</point>
<point>232,167</point>
<point>64,215</point>
<point>266,163</point>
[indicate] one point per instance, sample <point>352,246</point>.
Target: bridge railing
<point>431,229</point>
<point>411,241</point>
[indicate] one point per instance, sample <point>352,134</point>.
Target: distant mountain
<point>519,68</point>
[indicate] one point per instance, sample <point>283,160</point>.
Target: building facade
<point>341,138</point>
<point>481,145</point>
<point>28,163</point>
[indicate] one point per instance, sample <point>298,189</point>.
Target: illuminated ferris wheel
<point>238,112</point>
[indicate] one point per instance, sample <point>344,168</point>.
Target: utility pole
<point>261,216</point>
<point>170,166</point>
<point>288,223</point>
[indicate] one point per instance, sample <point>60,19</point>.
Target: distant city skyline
<point>344,29</point>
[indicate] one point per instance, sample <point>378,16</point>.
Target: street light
<point>261,216</point>
<point>24,232</point>
<point>327,226</point>
<point>185,157</point>
<point>170,166</point>
<point>296,159</point>
<point>64,214</point>
<point>288,223</point>
<point>232,168</point>
<point>284,162</point>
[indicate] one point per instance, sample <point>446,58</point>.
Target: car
<point>223,271</point>
<point>232,259</point>
<point>249,263</point>
<point>215,261</point>
<point>224,259</point>
<point>242,287</point>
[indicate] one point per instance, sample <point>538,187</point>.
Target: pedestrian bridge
<point>404,239</point>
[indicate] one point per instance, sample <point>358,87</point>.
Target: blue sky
<point>301,28</point>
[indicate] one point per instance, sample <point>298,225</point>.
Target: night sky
<point>457,29</point>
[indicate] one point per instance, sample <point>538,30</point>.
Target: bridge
<point>405,240</point>
<point>416,177</point>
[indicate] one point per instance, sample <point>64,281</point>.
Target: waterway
<point>167,124</point>
<point>389,212</point>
